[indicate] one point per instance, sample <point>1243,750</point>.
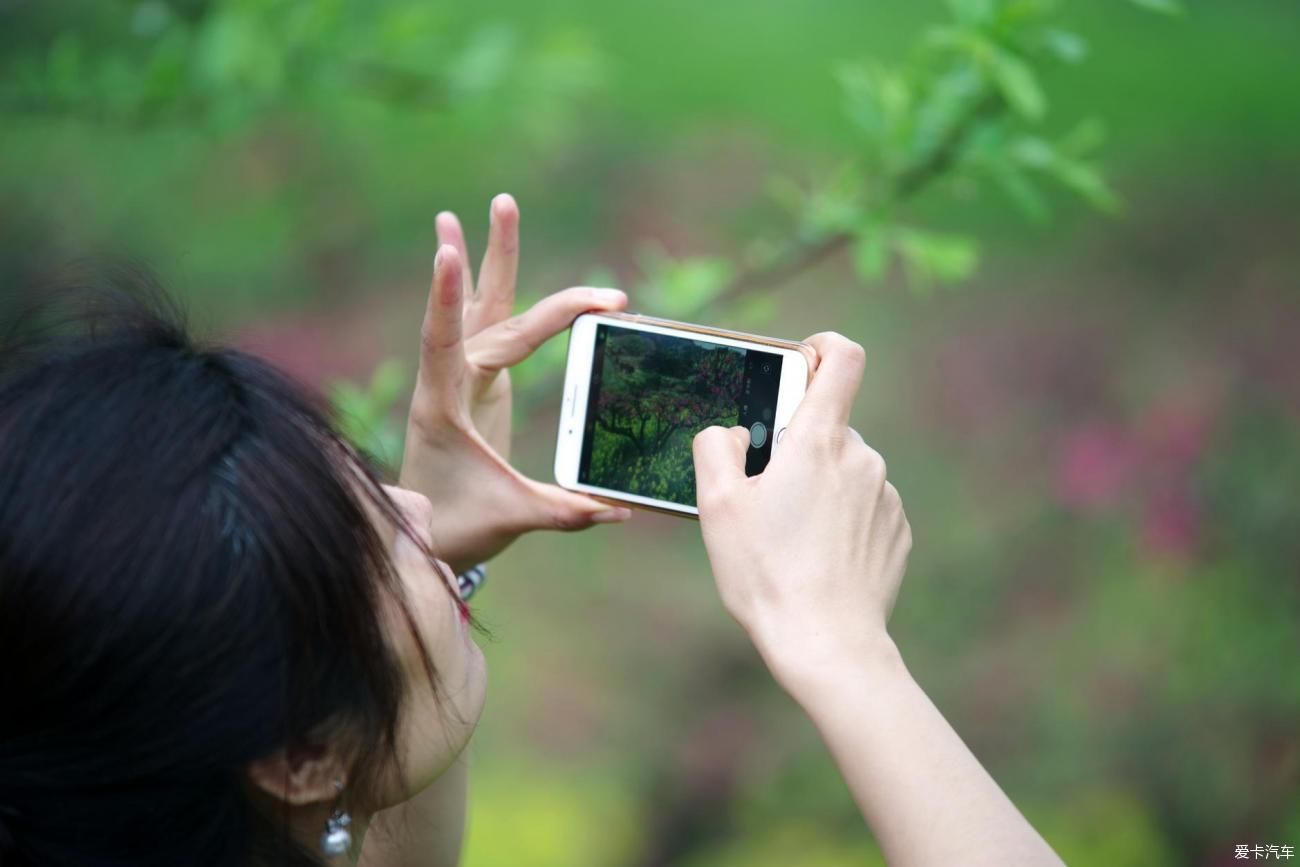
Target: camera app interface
<point>652,393</point>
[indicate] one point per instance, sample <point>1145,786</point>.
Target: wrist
<point>813,675</point>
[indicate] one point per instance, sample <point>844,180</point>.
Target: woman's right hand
<point>809,555</point>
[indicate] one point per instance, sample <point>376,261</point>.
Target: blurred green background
<point>1097,434</point>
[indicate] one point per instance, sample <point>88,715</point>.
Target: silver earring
<point>337,839</point>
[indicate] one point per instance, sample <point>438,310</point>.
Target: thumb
<point>553,508</point>
<point>511,341</point>
<point>719,457</point>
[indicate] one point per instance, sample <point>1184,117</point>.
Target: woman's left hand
<point>458,433</point>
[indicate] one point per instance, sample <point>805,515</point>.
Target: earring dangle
<point>337,839</point>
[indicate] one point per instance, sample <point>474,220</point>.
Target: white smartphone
<point>638,389</point>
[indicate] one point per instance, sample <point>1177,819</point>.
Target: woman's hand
<point>458,433</point>
<point>808,556</point>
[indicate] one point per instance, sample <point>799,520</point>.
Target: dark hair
<point>188,581</point>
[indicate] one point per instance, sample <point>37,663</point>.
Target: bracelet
<point>471,580</point>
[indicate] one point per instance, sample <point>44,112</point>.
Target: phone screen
<point>650,394</point>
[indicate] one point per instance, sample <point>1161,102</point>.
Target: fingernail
<point>611,516</point>
<point>608,296</point>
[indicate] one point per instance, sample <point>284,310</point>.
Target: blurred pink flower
<point>1175,434</point>
<point>1171,524</point>
<point>317,348</point>
<point>1094,467</point>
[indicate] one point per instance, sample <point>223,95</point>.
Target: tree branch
<point>801,256</point>
<point>908,183</point>
<point>618,430</point>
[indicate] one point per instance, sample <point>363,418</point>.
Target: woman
<point>223,641</point>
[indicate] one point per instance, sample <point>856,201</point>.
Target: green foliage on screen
<point>656,393</point>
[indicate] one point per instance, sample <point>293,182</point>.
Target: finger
<point>510,342</point>
<point>450,232</point>
<point>830,395</point>
<point>810,355</point>
<point>554,508</point>
<point>496,280</point>
<point>719,458</point>
<point>442,353</point>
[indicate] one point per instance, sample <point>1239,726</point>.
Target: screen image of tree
<point>655,393</point>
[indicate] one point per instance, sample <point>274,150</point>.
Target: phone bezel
<point>799,360</point>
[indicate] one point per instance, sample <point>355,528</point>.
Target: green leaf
<point>1165,7</point>
<point>1083,178</point>
<point>1022,192</point>
<point>484,61</point>
<point>1086,180</point>
<point>365,415</point>
<point>544,364</point>
<point>680,287</point>
<point>1065,46</point>
<point>871,255</point>
<point>601,276</point>
<point>386,385</point>
<point>972,12</point>
<point>1033,152</point>
<point>150,18</point>
<point>878,101</point>
<point>943,106</point>
<point>65,67</point>
<point>1014,15</point>
<point>237,53</point>
<point>959,40</point>
<point>754,311</point>
<point>862,101</point>
<point>1019,85</point>
<point>833,207</point>
<point>347,397</point>
<point>929,257</point>
<point>786,193</point>
<point>1088,135</point>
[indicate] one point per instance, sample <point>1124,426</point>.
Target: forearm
<point>924,794</point>
<point>427,830</point>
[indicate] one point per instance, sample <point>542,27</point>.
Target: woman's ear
<point>299,775</point>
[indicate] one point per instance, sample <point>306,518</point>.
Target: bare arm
<point>809,557</point>
<point>922,791</point>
